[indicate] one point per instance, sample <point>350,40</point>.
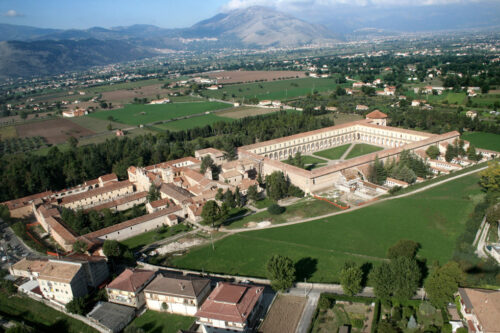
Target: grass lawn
<point>179,125</point>
<point>95,124</point>
<point>483,140</point>
<point>160,322</point>
<point>311,162</point>
<point>362,149</point>
<point>38,315</point>
<point>434,218</point>
<point>333,153</point>
<point>302,209</point>
<point>280,89</point>
<point>7,132</point>
<point>264,203</point>
<point>153,236</point>
<point>136,114</point>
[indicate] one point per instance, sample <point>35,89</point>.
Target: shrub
<point>324,303</point>
<point>275,209</point>
<point>358,323</point>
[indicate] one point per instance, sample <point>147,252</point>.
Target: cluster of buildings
<point>218,307</point>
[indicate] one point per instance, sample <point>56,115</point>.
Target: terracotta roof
<point>59,228</point>
<point>184,286</point>
<point>175,192</point>
<point>132,280</point>
<point>121,201</point>
<point>397,181</point>
<point>160,203</point>
<point>130,223</point>
<point>212,151</point>
<point>25,201</point>
<point>100,190</point>
<point>59,271</point>
<point>246,183</point>
<point>230,174</point>
<point>486,306</point>
<point>376,114</point>
<point>230,302</point>
<point>108,177</point>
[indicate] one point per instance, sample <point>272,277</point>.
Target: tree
<point>493,215</point>
<point>433,152</point>
<point>405,276</point>
<point>23,115</point>
<point>443,283</point>
<point>77,305</point>
<point>109,127</point>
<point>275,209</point>
<point>19,328</point>
<point>237,197</point>
<point>73,142</point>
<point>377,173</point>
<point>276,186</point>
<point>351,277</point>
<point>386,327</point>
<point>472,154</point>
<point>281,272</point>
<point>451,153</point>
<point>490,178</point>
<point>153,193</point>
<point>80,246</point>
<point>219,196</point>
<point>229,199</point>
<point>112,248</point>
<point>381,277</point>
<point>206,162</point>
<point>403,248</point>
<point>211,212</point>
<point>252,193</point>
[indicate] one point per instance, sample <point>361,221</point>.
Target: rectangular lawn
<point>434,218</point>
<point>333,153</point>
<point>360,149</point>
<point>488,141</point>
<point>136,114</point>
<point>162,322</point>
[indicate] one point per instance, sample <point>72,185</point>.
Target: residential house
<point>230,308</point>
<point>177,294</point>
<point>127,288</point>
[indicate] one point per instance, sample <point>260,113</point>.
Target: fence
<point>331,202</point>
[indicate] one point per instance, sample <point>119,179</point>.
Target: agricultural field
<point>435,218</point>
<point>137,114</point>
<point>225,77</point>
<point>488,141</point>
<point>158,322</point>
<point>21,145</point>
<point>8,132</point>
<point>96,125</point>
<point>333,153</point>
<point>198,121</point>
<point>274,90</point>
<point>246,111</point>
<point>284,314</point>
<point>54,131</point>
<point>360,149</point>
<point>486,100</point>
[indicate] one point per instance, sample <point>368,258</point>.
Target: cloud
<point>12,13</point>
<point>293,4</point>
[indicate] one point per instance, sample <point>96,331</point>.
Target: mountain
<point>259,26</point>
<point>22,32</point>
<point>47,57</point>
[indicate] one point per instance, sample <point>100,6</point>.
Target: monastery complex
<point>184,190</point>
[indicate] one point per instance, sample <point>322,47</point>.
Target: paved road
<point>482,239</point>
<point>12,247</point>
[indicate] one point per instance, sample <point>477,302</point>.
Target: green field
<point>153,236</point>
<point>200,121</point>
<point>274,89</point>
<point>434,218</point>
<point>7,132</point>
<point>95,124</point>
<point>136,114</point>
<point>125,85</point>
<point>160,322</point>
<point>360,149</point>
<point>311,162</point>
<point>333,153</point>
<point>39,316</point>
<point>483,140</point>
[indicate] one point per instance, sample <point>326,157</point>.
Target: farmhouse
<point>74,113</point>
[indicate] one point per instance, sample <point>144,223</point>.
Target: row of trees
<point>407,168</point>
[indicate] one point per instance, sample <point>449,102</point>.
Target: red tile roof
<point>131,280</point>
<point>100,190</point>
<point>230,302</point>
<point>376,114</point>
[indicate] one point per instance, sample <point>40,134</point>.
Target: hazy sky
<point>170,13</point>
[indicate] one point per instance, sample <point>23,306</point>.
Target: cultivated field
<point>284,314</point>
<point>198,121</point>
<point>54,131</point>
<point>274,90</point>
<point>435,218</point>
<point>7,132</point>
<point>123,96</point>
<point>483,140</point>
<point>136,114</point>
<point>252,76</point>
<point>246,111</point>
<point>344,313</point>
